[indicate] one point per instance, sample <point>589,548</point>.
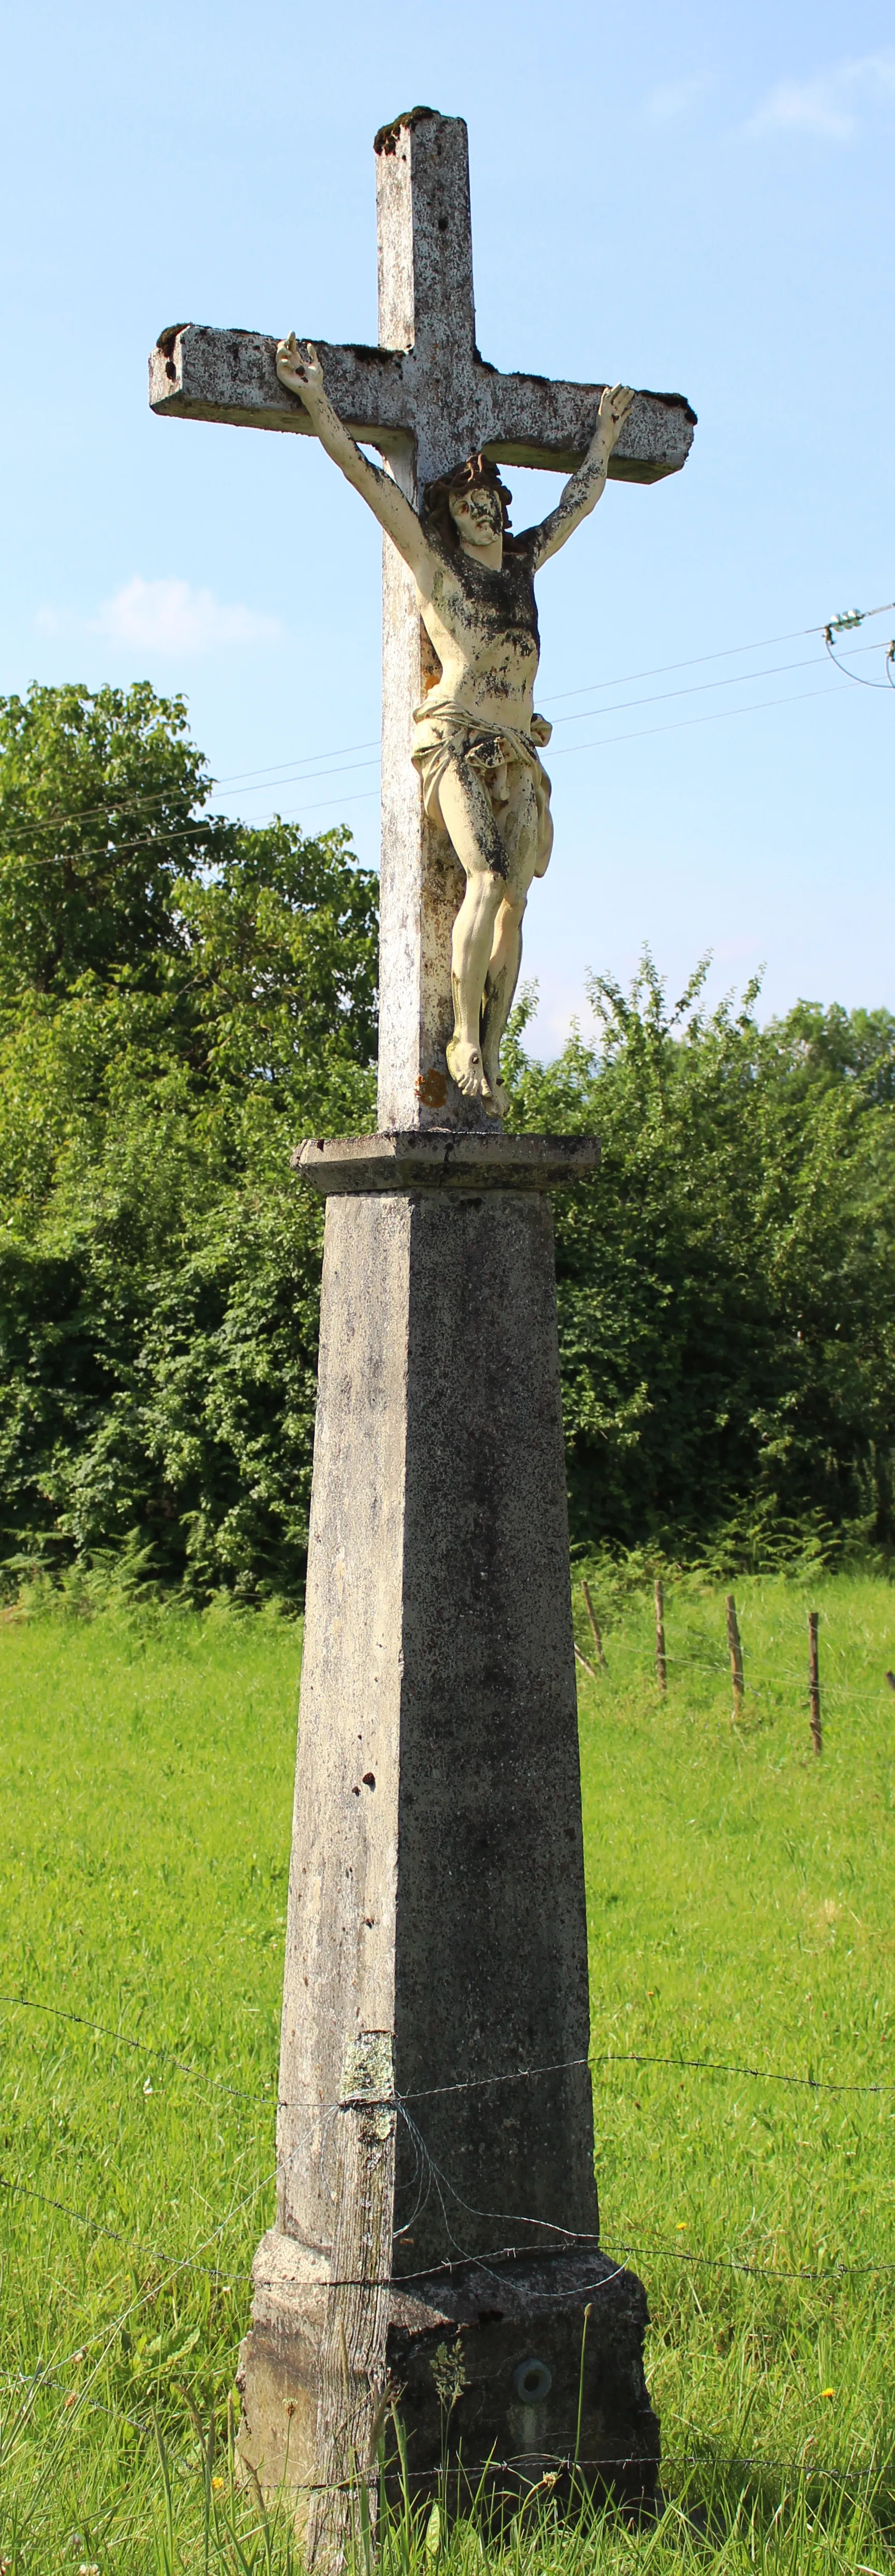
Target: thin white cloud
<point>828,104</point>
<point>804,107</point>
<point>170,617</point>
<point>167,617</point>
<point>673,98</point>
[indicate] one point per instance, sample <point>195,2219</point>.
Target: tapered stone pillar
<point>437,1889</point>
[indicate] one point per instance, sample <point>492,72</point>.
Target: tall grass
<point>740,1914</point>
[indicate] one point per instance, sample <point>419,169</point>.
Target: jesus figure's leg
<point>469,821</point>
<point>519,833</point>
<point>500,986</point>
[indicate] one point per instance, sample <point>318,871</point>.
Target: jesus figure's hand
<point>300,369</point>
<point>615,404</point>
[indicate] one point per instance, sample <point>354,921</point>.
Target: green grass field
<point>740,1911</point>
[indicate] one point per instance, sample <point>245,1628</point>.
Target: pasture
<point>740,1916</point>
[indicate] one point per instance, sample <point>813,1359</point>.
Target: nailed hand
<point>298,366</point>
<point>615,404</point>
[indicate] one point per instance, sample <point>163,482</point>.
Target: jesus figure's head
<point>469,507</point>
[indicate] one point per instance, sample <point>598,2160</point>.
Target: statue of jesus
<point>477,740</point>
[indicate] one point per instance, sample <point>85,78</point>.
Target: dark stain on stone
<point>671,402</point>
<point>387,138</point>
<point>363,349</point>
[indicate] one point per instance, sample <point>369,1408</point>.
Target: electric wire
<point>699,688</point>
<point>762,644</point>
<point>640,733</point>
<point>340,753</point>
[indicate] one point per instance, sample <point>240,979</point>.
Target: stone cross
<point>425,399</point>
<point>437,2223</point>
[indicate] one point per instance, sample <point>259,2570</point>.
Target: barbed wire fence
<point>161,2267</point>
<point>165,2266</point>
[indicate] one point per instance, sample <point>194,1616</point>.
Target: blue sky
<point>696,199</point>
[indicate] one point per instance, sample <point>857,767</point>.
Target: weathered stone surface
<point>435,1890</point>
<point>278,2372</point>
<point>199,373</point>
<point>444,1159</point>
<point>437,1875</point>
<point>351,2362</point>
<point>531,2339</point>
<point>525,421</point>
<point>534,2341</point>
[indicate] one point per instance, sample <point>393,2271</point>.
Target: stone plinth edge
<point>443,1159</point>
<point>551,2392</point>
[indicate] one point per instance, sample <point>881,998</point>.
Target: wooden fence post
<point>352,2350</point>
<point>736,1658</point>
<point>814,1680</point>
<point>661,1672</point>
<point>598,1642</point>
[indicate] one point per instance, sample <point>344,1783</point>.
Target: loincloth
<point>444,734</point>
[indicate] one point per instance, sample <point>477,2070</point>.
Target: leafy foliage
<point>98,820</point>
<point>726,1289</point>
<point>159,1268</point>
<point>181,997</point>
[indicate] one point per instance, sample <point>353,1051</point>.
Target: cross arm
<point>201,374</point>
<point>529,420</point>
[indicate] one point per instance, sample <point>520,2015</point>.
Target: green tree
<point>182,997</point>
<point>99,798</point>
<point>726,1286</point>
<point>162,1043</point>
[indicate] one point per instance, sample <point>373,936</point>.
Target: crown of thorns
<point>478,471</point>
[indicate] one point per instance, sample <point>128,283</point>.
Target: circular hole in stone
<point>532,2382</point>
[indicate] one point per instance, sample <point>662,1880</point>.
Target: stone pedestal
<point>437,1890</point>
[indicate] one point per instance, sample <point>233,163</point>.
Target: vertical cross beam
<point>426,308</point>
<point>426,304</point>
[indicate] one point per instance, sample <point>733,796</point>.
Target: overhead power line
<point>698,688</point>
<point>640,733</point>
<point>287,772</point>
<point>794,698</point>
<point>842,626</point>
<point>763,644</point>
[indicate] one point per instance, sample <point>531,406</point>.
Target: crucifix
<point>437,2225</point>
<point>426,401</point>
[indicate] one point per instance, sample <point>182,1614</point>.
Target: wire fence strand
<point>731,2068</point>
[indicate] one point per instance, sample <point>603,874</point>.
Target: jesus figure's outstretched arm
<point>582,492</point>
<point>300,369</point>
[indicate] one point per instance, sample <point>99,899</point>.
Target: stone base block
<point>522,2374</point>
<point>526,2372</point>
<point>277,2369</point>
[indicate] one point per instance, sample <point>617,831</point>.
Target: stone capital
<point>447,1158</point>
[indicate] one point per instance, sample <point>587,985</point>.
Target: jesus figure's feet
<point>464,1063</point>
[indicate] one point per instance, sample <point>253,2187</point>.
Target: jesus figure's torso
<point>483,624</point>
